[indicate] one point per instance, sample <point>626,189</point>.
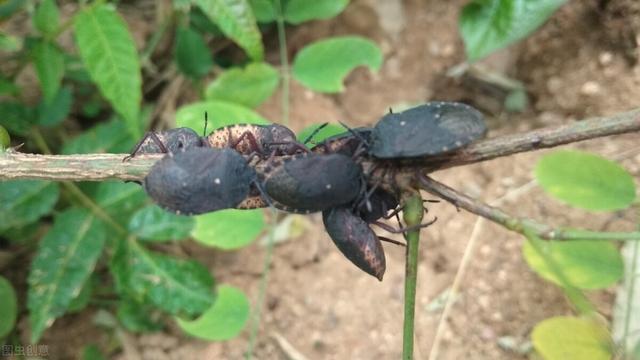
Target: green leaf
<point>323,65</point>
<point>567,337</point>
<point>249,86</point>
<point>263,10</point>
<point>235,19</point>
<point>66,257</point>
<point>16,117</point>
<point>110,137</point>
<point>585,264</point>
<point>52,113</point>
<point>327,131</point>
<point>10,43</point>
<point>585,180</point>
<point>228,229</point>
<point>81,301</point>
<point>7,87</point>
<point>5,139</point>
<point>136,317</point>
<point>192,54</point>
<point>47,17</point>
<point>8,307</point>
<point>109,54</point>
<point>10,7</point>
<point>154,224</point>
<point>173,285</point>
<point>221,113</point>
<point>297,11</point>
<point>490,25</point>
<point>25,201</point>
<point>224,320</point>
<point>49,64</point>
<point>120,200</point>
<point>92,352</point>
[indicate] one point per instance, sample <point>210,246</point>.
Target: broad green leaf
<point>49,64</point>
<point>81,301</point>
<point>263,10</point>
<point>489,25</point>
<point>228,229</point>
<point>201,23</point>
<point>224,320</point>
<point>297,11</point>
<point>8,307</point>
<point>235,19</point>
<point>327,131</point>
<point>55,111</point>
<point>249,86</point>
<point>16,117</point>
<point>47,17</point>
<point>154,224</point>
<point>5,139</point>
<point>109,54</point>
<point>323,65</point>
<point>119,199</point>
<point>567,337</point>
<point>586,264</point>
<point>25,201</point>
<point>173,285</point>
<point>136,317</point>
<point>221,113</point>
<point>192,54</point>
<point>8,87</point>
<point>585,180</point>
<point>66,257</point>
<point>110,137</point>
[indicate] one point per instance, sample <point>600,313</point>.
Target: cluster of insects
<point>250,166</point>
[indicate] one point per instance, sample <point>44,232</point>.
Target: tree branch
<point>100,167</point>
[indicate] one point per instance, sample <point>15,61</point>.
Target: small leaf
<point>263,10</point>
<point>136,317</point>
<point>154,224</point>
<point>8,307</point>
<point>107,137</point>
<point>235,19</point>
<point>192,54</point>
<point>586,264</point>
<point>585,180</point>
<point>298,11</point>
<point>228,229</point>
<point>489,25</point>
<point>567,337</point>
<point>173,285</point>
<point>10,43</point>
<point>109,54</point>
<point>221,113</point>
<point>66,257</point>
<point>55,111</point>
<point>25,201</point>
<point>224,320</point>
<point>249,86</point>
<point>7,87</point>
<point>5,139</point>
<point>16,117</point>
<point>323,65</point>
<point>47,17</point>
<point>49,63</point>
<point>92,352</point>
<point>120,200</point>
<point>327,131</point>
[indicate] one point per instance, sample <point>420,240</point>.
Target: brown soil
<point>324,307</point>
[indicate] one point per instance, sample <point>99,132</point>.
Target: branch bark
<point>101,167</point>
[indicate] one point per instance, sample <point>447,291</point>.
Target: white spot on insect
<point>217,181</point>
<point>458,143</point>
<point>445,148</point>
<point>177,212</point>
<point>437,116</point>
<point>403,123</point>
<point>328,186</point>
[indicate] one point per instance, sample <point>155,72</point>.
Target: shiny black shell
<point>431,129</point>
<point>355,239</point>
<point>199,180</point>
<point>174,140</point>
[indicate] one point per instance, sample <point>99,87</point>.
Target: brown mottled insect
<point>252,139</point>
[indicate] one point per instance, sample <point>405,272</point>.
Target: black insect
<point>311,182</point>
<point>355,239</point>
<point>431,129</point>
<point>200,180</point>
<point>167,141</point>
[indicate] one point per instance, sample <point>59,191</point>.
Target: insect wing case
<point>200,180</point>
<point>430,129</point>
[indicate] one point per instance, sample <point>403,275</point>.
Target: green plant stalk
<point>630,297</point>
<point>284,62</point>
<point>413,212</point>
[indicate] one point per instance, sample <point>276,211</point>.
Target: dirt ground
<point>580,64</point>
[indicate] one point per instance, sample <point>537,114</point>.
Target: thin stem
<point>413,212</point>
<point>284,62</point>
<point>631,281</point>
